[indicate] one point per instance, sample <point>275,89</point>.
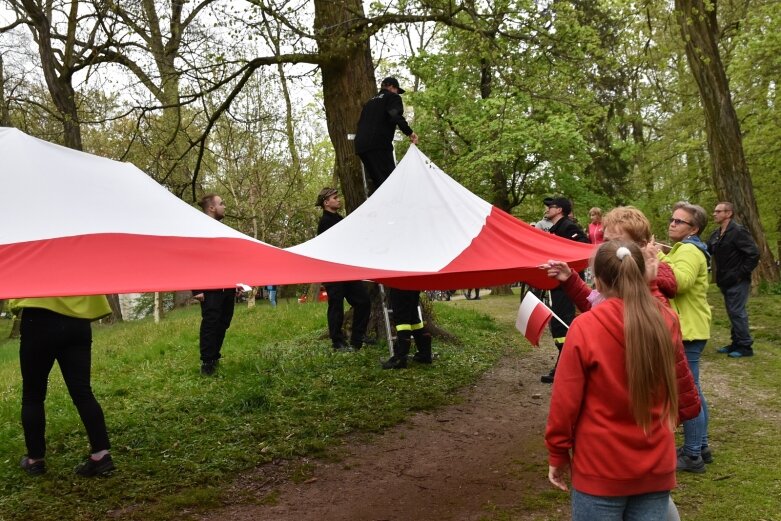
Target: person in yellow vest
<point>58,329</point>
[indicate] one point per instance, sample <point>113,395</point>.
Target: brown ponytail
<point>650,354</point>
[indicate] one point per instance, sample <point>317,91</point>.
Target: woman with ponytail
<point>615,398</point>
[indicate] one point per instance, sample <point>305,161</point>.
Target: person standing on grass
<point>689,260</point>
<point>557,210</point>
<point>615,401</point>
<point>57,329</point>
<point>353,291</point>
<point>272,295</point>
<point>217,305</point>
<point>735,255</point>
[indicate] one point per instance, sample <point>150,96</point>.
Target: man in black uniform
<point>376,127</point>
<point>216,304</point>
<point>354,291</point>
<point>557,210</point>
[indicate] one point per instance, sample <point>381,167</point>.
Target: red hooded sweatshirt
<point>590,416</point>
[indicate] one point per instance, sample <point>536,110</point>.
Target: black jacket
<point>569,230</point>
<point>734,254</point>
<point>560,302</point>
<point>379,119</point>
<point>327,220</point>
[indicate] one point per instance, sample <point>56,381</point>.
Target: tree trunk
<point>313,292</point>
<point>699,29</point>
<point>778,229</point>
<point>5,119</point>
<point>116,310</point>
<point>348,82</point>
<point>15,325</point>
<point>504,289</point>
<point>158,307</point>
<point>430,319</point>
<point>182,298</point>
<point>58,76</point>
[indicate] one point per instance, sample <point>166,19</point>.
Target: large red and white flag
<point>78,224</point>
<point>533,316</point>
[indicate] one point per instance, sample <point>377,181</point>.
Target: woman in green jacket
<point>689,260</point>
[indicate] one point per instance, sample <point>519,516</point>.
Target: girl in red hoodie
<point>615,402</point>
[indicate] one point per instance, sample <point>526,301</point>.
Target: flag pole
<point>557,317</point>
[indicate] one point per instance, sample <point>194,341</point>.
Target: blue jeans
<point>735,298</point>
<point>695,431</point>
<point>642,507</point>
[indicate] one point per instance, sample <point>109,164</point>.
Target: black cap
<point>561,202</point>
<point>392,82</point>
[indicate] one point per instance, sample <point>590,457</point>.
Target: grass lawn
<point>178,437</point>
<point>744,400</point>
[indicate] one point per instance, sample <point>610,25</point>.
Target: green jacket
<point>691,273</point>
<point>90,307</point>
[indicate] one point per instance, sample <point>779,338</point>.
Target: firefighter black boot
<point>400,351</point>
<point>423,343</point>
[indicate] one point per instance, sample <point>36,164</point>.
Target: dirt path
<point>455,463</point>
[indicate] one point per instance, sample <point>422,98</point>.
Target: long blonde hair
<point>650,354</point>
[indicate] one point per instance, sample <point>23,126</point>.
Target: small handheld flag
<point>533,316</point>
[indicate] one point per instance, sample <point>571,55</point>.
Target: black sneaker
<point>707,455</point>
<point>690,464</point>
<point>395,363</point>
<point>208,368</point>
<point>341,347</point>
<point>33,468</point>
<point>90,468</point>
<point>420,359</point>
<point>548,378</point>
<point>726,349</point>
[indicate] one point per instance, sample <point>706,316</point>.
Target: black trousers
<point>378,164</point>
<point>216,314</point>
<point>404,304</point>
<point>357,296</point>
<point>47,336</point>
<point>565,309</point>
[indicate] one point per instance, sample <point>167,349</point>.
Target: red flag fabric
<point>533,316</point>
